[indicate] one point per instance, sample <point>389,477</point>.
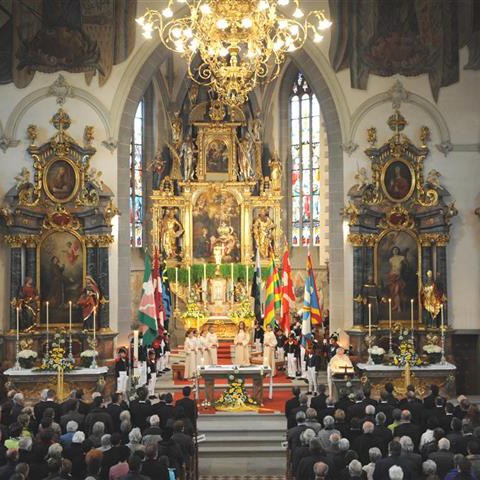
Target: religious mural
<point>398,181</point>
<point>217,157</point>
<point>61,181</point>
<point>87,36</point>
<point>407,37</point>
<point>61,274</point>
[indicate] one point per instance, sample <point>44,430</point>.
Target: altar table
<point>31,382</point>
<point>421,377</point>
<point>211,372</point>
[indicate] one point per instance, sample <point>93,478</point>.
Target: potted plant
<point>86,358</point>
<point>434,353</point>
<point>27,358</point>
<point>377,354</point>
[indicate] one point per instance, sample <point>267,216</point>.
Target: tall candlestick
<point>48,322</point>
<point>390,351</point>
<point>411,316</point>
<point>135,352</point>
<point>176,287</point>
<point>70,316</point>
<point>246,281</point>
<point>442,327</point>
<point>370,360</point>
<point>17,346</point>
<point>94,324</point>
<point>231,279</point>
<point>189,282</point>
<point>205,272</point>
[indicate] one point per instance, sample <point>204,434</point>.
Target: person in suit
<point>317,454</point>
<point>152,467</point>
<point>98,414</point>
<point>189,405</point>
<point>303,400</point>
<point>112,456</point>
<point>382,431</point>
<point>443,457</point>
<point>395,458</point>
<point>293,402</point>
<point>49,402</point>
<point>415,407</point>
<point>115,408</point>
<point>429,400</point>
<point>357,410</point>
<point>184,441</point>
<point>384,406</point>
<point>122,370</point>
<point>408,429</point>
<point>319,401</point>
<point>446,419</point>
<point>415,458</point>
<point>367,440</point>
<point>140,409</point>
<point>312,365</point>
<point>165,410</point>
<point>134,469</point>
<point>329,410</point>
<point>392,400</point>
<point>72,413</point>
<point>455,436</point>
<point>293,433</point>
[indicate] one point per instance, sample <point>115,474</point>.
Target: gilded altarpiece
<point>399,222</point>
<point>57,222</point>
<point>222,207</point>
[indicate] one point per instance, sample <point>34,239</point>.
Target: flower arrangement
<point>57,358</point>
<point>87,356</point>
<point>243,313</point>
<point>377,354</point>
<point>406,352</point>
<point>434,352</point>
<point>194,315</point>
<point>27,358</point>
<point>235,397</point>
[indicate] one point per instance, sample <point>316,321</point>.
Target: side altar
<point>56,221</point>
<point>217,202</point>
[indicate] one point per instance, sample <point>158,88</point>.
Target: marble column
<point>103,284</point>
<point>31,263</point>
<point>15,279</point>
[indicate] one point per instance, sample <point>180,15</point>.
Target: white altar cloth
<point>394,368</point>
<point>24,372</point>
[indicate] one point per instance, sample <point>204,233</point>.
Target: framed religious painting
<point>397,263</point>
<point>61,266</point>
<point>398,180</point>
<point>216,227</point>
<point>60,180</point>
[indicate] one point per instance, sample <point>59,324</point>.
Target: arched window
<point>137,162</point>
<point>305,144</point>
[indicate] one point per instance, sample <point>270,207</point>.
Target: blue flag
<point>166,297</point>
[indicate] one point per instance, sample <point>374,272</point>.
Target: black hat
<point>122,350</point>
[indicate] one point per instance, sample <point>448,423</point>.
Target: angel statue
<point>170,230</point>
<point>276,169</point>
<point>433,177</point>
<point>361,178</point>
<point>23,179</point>
<point>94,177</point>
<point>28,301</point>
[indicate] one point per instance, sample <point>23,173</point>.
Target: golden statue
<point>275,172</point>
<point>263,228</point>
<point>187,154</point>
<point>245,170</point>
<point>432,296</point>
<point>170,230</point>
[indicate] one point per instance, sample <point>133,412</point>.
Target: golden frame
<point>209,132</point>
<point>44,236</point>
<point>414,235</point>
<point>410,168</point>
<point>46,188</point>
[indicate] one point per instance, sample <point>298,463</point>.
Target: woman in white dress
<point>212,345</point>
<point>241,342</point>
<point>198,347</point>
<point>269,346</point>
<point>190,355</point>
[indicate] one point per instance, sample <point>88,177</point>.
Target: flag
<point>256,292</point>
<point>147,314</point>
<point>288,297</point>
<point>276,284</point>
<point>311,307</point>
<point>269,318</point>
<point>157,288</point>
<point>166,297</point>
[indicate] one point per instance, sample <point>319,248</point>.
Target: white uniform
<point>212,345</point>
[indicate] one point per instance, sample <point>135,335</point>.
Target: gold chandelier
<point>232,45</point>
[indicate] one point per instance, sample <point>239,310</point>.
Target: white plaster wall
<point>458,106</point>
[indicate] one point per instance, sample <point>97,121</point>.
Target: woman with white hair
<point>135,440</point>
<point>304,449</point>
<point>429,468</point>
<point>98,430</point>
<point>374,454</point>
<point>355,470</point>
<point>75,453</point>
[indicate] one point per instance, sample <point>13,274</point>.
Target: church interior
<point>209,203</point>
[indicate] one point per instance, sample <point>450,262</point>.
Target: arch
<point>397,95</point>
<point>301,61</point>
<point>62,90</point>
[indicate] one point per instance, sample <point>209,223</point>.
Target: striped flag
<point>147,312</point>
<point>269,318</point>
<point>158,292</point>
<point>256,292</point>
<point>276,284</point>
<point>311,306</point>
<point>288,297</point>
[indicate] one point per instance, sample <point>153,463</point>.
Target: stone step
<point>240,450</point>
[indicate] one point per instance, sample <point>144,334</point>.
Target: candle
<point>189,281</point>
<point>370,321</point>
<point>390,314</point>
<point>70,316</point>
<point>441,316</point>
<point>205,272</point>
<point>411,313</point>
<point>231,276</point>
<point>246,279</point>
<point>46,305</point>
<point>135,348</point>
<point>94,323</point>
<point>176,287</point>
<point>18,324</point>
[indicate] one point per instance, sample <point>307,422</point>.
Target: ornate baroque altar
<point>399,224</point>
<point>214,206</point>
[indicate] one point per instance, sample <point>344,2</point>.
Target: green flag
<point>147,311</point>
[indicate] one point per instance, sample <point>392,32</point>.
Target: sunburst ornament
<point>232,45</point>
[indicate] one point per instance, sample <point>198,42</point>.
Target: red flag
<point>288,297</point>
<point>157,285</point>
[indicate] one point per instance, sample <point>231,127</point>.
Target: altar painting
<point>217,157</point>
<point>60,181</point>
<point>216,227</point>
<point>397,265</point>
<point>61,276</point>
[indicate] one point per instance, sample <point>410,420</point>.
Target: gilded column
<point>426,265</point>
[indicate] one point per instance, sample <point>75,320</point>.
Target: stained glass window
<point>305,124</point>
<point>136,178</point>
